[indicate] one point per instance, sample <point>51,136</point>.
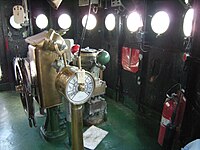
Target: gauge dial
<point>77,96</point>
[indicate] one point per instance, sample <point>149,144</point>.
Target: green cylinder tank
<point>103,57</point>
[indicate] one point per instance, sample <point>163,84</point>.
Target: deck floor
<point>127,129</point>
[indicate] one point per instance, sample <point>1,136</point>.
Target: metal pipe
<point>25,3</point>
<point>79,62</point>
<point>84,29</point>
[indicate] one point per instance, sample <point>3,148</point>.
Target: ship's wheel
<point>23,86</point>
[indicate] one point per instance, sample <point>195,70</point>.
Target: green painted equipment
<point>103,57</point>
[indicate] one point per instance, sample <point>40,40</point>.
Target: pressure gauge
<point>68,85</point>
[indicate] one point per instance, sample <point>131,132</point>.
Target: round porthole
<point>92,22</point>
<point>134,22</point>
<point>64,21</point>
<point>187,22</point>
<point>41,21</point>
<point>160,22</point>
<point>110,22</point>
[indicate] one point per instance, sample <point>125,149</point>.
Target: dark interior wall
<point>101,38</point>
<point>165,64</point>
<point>123,82</point>
<point>173,37</point>
<point>40,7</point>
<point>164,70</point>
<point>111,44</point>
<point>10,39</point>
<point>159,69</point>
<point>196,32</point>
<point>70,7</point>
<point>161,66</point>
<point>3,52</point>
<point>93,38</point>
<point>163,51</point>
<point>191,122</point>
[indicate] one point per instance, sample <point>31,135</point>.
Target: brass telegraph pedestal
<point>77,126</point>
<point>49,49</point>
<point>77,86</point>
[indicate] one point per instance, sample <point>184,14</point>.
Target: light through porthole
<point>1,74</point>
<point>64,21</point>
<point>14,24</point>
<point>187,22</point>
<point>92,22</point>
<point>160,22</point>
<point>134,21</point>
<point>41,21</point>
<point>110,22</point>
<point>186,1</point>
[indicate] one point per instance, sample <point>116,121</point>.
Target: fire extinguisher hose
<point>173,90</point>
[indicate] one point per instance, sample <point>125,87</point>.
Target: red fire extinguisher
<point>172,116</point>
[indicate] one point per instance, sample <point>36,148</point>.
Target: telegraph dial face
<point>74,95</point>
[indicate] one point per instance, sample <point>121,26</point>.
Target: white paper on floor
<point>93,136</point>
